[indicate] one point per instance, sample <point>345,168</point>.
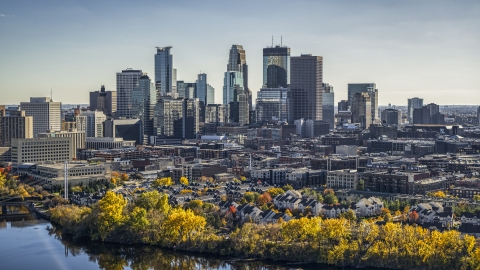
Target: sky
<point>427,49</point>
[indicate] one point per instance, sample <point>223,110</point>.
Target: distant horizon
<point>408,48</point>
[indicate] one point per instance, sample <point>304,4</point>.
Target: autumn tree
<point>287,187</point>
<point>274,192</point>
<point>110,213</point>
<point>164,181</point>
<point>264,199</point>
<point>413,216</point>
<point>349,214</point>
<point>184,180</point>
<point>182,224</point>
<point>328,191</point>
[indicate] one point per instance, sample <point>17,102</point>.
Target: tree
<point>251,196</point>
<point>330,198</point>
<point>274,192</point>
<point>138,219</point>
<point>476,197</point>
<point>438,194</point>
<point>349,214</point>
<point>182,225</point>
<point>287,187</point>
<point>413,216</point>
<point>328,191</point>
<point>164,181</point>
<point>361,185</point>
<point>152,200</point>
<point>184,180</point>
<point>110,213</point>
<point>264,198</point>
<point>387,217</point>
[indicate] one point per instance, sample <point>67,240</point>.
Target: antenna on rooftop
<point>51,93</point>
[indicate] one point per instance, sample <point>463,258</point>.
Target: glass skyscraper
<point>231,79</point>
<point>143,105</point>
<point>328,104</point>
<point>276,67</point>
<point>164,72</point>
<point>126,81</point>
<point>413,103</point>
<point>371,89</point>
<point>274,104</point>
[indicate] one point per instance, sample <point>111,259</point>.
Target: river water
<point>35,244</point>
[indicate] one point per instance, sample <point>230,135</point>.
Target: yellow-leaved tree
<point>181,225</point>
<point>110,213</point>
<point>184,180</point>
<point>164,181</point>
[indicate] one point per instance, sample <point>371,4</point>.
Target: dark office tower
<point>164,72</point>
<point>105,101</point>
<point>126,81</point>
<point>239,109</point>
<point>343,106</point>
<point>176,118</point>
<point>306,86</point>
<point>274,104</point>
<point>144,98</point>
<point>361,109</point>
<point>428,114</point>
<point>328,104</point>
<point>391,117</point>
<point>413,103</point>
<point>276,67</point>
<point>372,91</point>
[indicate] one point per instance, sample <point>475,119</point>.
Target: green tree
<point>349,214</point>
<point>330,198</point>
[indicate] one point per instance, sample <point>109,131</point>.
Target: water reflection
<point>111,256</point>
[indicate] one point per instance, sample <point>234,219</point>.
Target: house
<point>249,213</point>
<point>334,211</point>
<point>225,206</point>
<point>289,199</point>
<point>315,205</point>
<point>269,216</point>
<point>368,207</point>
<point>470,223</point>
<point>433,214</point>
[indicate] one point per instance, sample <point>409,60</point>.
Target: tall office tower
<point>105,101</point>
<point>413,103</point>
<point>176,118</point>
<point>15,125</point>
<point>239,109</point>
<point>237,61</point>
<point>328,104</point>
<point>306,86</point>
<point>361,109</point>
<point>210,94</point>
<point>274,104</point>
<point>391,116</point>
<point>369,88</point>
<point>164,71</point>
<point>3,110</point>
<point>201,88</point>
<point>143,105</point>
<point>126,81</point>
<point>91,122</point>
<point>343,105</point>
<point>215,113</point>
<point>230,81</point>
<point>428,114</point>
<point>47,115</point>
<point>276,67</point>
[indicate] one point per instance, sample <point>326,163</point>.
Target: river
<point>36,244</point>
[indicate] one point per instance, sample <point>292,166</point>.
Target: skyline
<point>411,49</point>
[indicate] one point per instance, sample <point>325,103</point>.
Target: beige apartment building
<point>42,150</point>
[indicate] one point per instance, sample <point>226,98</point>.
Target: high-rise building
<point>210,94</point>
<point>237,61</point>
<point>91,123</point>
<point>372,91</point>
<point>128,129</point>
<point>328,104</point>
<point>143,105</point>
<point>478,116</point>
<point>231,80</point>
<point>306,86</point>
<point>47,115</point>
<point>186,90</point>
<point>126,81</point>
<point>105,101</point>
<point>361,109</point>
<point>15,125</point>
<point>391,116</point>
<point>176,118</point>
<point>215,113</point>
<point>413,103</point>
<point>201,88</point>
<point>343,105</point>
<point>274,104</point>
<point>276,67</point>
<point>239,109</point>
<point>164,71</point>
<point>428,114</point>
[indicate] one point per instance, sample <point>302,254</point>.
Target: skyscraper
<point>428,114</point>
<point>478,116</point>
<point>126,81</point>
<point>105,101</point>
<point>372,91</point>
<point>201,89</point>
<point>343,105</point>
<point>15,125</point>
<point>91,122</point>
<point>361,109</point>
<point>47,115</point>
<point>328,104</point>
<point>143,104</point>
<point>391,116</point>
<point>231,79</point>
<point>274,104</point>
<point>165,75</point>
<point>413,103</point>
<point>176,118</point>
<point>237,61</point>
<point>306,86</point>
<point>276,67</point>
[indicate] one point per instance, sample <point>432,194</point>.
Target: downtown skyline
<point>409,49</point>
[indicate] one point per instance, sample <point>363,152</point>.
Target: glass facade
<point>276,67</point>
<point>201,88</point>
<point>231,79</point>
<point>164,69</point>
<point>274,104</point>
<point>328,104</point>
<point>143,104</point>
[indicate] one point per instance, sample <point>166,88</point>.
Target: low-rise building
<point>343,179</point>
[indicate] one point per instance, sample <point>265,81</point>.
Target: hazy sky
<point>428,49</point>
